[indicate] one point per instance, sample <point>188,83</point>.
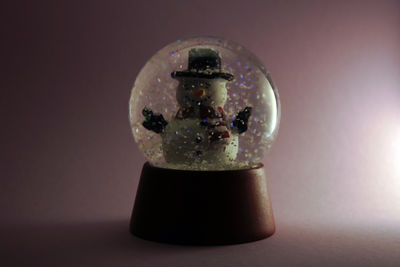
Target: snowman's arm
<point>153,122</point>
<point>240,122</point>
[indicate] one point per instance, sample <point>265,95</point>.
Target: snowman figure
<point>200,133</point>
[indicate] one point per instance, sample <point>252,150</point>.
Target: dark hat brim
<point>206,75</point>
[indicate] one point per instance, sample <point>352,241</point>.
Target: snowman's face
<point>193,92</point>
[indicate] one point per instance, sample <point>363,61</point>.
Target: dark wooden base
<point>202,207</point>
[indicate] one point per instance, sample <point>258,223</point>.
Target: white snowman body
<point>191,137</point>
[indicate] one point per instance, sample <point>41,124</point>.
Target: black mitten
<point>153,122</point>
<point>241,120</point>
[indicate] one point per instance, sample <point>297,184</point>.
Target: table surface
<point>108,243</point>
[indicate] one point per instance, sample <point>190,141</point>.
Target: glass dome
<point>204,103</point>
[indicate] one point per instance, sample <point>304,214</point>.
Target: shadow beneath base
<point>111,244</point>
<point>72,244</point>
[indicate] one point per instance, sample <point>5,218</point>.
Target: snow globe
<point>203,111</point>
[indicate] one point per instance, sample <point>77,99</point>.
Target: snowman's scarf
<point>213,119</point>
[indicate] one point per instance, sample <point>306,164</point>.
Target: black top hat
<point>203,63</point>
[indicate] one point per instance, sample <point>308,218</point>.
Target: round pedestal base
<point>202,207</point>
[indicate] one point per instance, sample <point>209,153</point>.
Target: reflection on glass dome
<point>204,103</point>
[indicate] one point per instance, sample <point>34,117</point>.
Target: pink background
<point>70,167</point>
